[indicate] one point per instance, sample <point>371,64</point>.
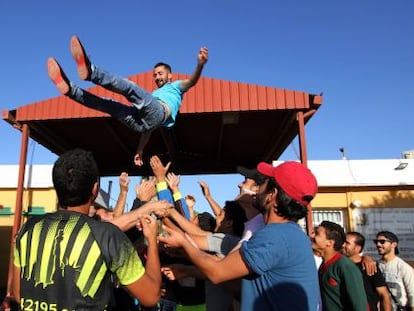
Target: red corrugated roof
<point>221,124</point>
<point>209,95</point>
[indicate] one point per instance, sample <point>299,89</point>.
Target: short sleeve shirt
<point>172,95</point>
<point>221,243</point>
<point>284,272</point>
<point>67,260</point>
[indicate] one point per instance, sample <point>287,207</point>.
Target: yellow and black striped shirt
<point>66,260</point>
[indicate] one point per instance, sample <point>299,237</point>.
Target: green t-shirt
<point>342,287</point>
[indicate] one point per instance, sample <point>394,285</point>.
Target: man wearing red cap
<point>276,264</point>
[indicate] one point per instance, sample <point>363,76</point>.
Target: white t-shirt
<point>251,226</point>
<point>399,277</point>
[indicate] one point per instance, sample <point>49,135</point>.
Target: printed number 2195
<point>30,305</point>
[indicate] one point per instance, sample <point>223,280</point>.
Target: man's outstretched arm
<point>202,59</point>
<point>123,192</point>
<point>229,268</point>
<point>215,207</point>
<point>143,141</point>
<point>148,288</point>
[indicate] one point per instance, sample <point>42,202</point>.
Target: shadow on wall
<point>394,212</point>
<point>400,198</point>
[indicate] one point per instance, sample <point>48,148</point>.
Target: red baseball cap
<point>294,178</point>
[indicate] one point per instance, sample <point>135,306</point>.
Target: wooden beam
<point>19,205</point>
<point>304,160</point>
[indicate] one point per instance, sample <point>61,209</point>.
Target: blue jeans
<point>145,114</point>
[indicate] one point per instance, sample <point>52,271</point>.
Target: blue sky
<point>360,54</point>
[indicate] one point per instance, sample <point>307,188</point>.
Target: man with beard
<point>147,111</point>
<point>375,286</point>
<point>276,263</point>
<point>398,274</point>
<point>248,189</point>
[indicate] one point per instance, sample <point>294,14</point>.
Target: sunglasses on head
<point>381,241</point>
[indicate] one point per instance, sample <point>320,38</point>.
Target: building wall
<point>369,210</point>
<point>39,198</point>
<point>347,200</point>
<point>330,200</point>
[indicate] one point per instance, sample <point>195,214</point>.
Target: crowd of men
<point>250,254</point>
<point>161,256</point>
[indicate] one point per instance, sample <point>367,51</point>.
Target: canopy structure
<point>221,124</point>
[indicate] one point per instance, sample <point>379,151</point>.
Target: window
<point>336,216</point>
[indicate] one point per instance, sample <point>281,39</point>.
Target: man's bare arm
<point>229,268</point>
<point>215,207</point>
<point>385,299</point>
<point>129,220</point>
<point>143,141</point>
<point>123,193</point>
<point>202,59</point>
<point>185,225</point>
<point>148,288</point>
<point>16,284</point>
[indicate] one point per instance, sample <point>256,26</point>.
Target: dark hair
<point>74,174</point>
<point>168,67</point>
<point>392,237</point>
<point>389,235</point>
<point>206,221</point>
<point>359,238</point>
<point>334,232</point>
<point>235,212</point>
<point>286,206</point>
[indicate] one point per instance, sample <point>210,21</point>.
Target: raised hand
<point>173,181</point>
<point>190,200</point>
<point>149,226</point>
<point>124,181</point>
<point>146,190</point>
<point>161,208</point>
<point>158,168</point>
<point>138,158</point>
<point>173,238</point>
<point>175,271</point>
<point>204,188</point>
<point>203,55</point>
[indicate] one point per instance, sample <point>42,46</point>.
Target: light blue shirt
<point>172,95</point>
